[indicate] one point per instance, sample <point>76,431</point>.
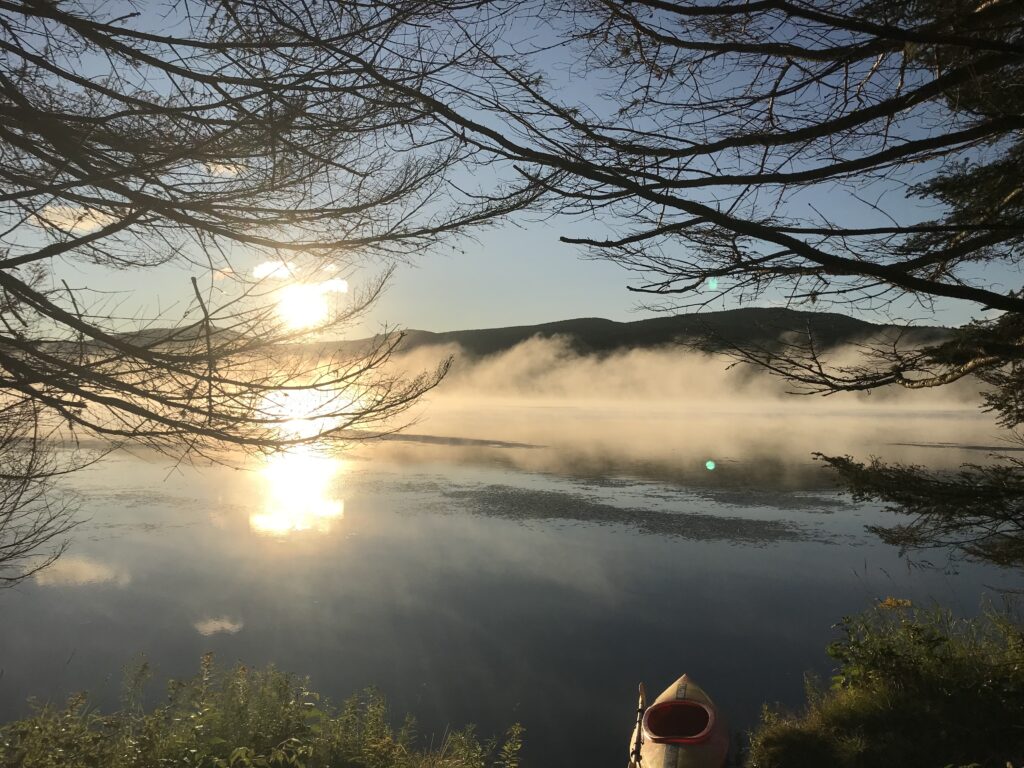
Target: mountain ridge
<point>709,331</point>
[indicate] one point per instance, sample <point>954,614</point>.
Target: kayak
<point>680,729</point>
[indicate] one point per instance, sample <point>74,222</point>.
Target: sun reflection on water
<point>304,413</point>
<point>300,493</point>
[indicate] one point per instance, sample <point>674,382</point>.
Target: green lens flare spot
<point>709,465</point>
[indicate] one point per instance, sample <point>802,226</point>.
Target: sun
<point>301,306</point>
<point>308,305</point>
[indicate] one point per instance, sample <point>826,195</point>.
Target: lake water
<point>527,564</point>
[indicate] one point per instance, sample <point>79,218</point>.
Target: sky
<point>515,273</point>
<point>506,276</point>
<point>510,274</point>
<point>513,276</point>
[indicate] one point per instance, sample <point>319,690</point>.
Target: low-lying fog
<point>668,411</point>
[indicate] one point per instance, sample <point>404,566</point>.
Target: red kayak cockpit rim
<point>682,721</point>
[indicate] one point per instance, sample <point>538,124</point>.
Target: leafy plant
<point>242,718</point>
<point>914,688</point>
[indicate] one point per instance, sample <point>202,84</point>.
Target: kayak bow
<point>681,729</point>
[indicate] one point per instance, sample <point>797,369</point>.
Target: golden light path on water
<point>299,493</point>
<point>299,486</point>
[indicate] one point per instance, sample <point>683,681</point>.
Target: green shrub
<point>915,688</point>
<point>242,718</point>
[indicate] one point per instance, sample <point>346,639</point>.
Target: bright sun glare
<point>306,412</point>
<point>302,306</point>
<point>307,305</point>
<point>299,494</point>
<point>300,484</point>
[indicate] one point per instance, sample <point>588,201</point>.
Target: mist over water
<point>551,530</point>
<point>550,369</point>
<point>667,411</point>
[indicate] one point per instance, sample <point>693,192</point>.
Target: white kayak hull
<point>680,729</point>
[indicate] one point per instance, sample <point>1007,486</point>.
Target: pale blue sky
<point>516,277</point>
<point>506,275</point>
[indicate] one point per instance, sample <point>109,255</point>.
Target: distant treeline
<point>706,331</point>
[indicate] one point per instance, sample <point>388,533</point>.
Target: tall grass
<point>240,718</point>
<point>915,689</point>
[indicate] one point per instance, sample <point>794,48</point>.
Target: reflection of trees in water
<point>34,518</point>
<point>977,511</point>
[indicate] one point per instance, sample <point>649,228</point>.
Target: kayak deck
<point>680,729</point>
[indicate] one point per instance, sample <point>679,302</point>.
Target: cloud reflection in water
<point>218,625</point>
<point>75,571</point>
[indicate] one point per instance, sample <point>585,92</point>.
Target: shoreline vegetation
<point>240,718</point>
<point>914,687</point>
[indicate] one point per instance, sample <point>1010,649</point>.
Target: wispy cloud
<point>275,270</point>
<point>334,285</point>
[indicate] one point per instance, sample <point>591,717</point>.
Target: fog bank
<point>549,369</point>
<point>663,413</point>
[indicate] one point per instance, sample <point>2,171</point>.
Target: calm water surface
<point>473,580</point>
